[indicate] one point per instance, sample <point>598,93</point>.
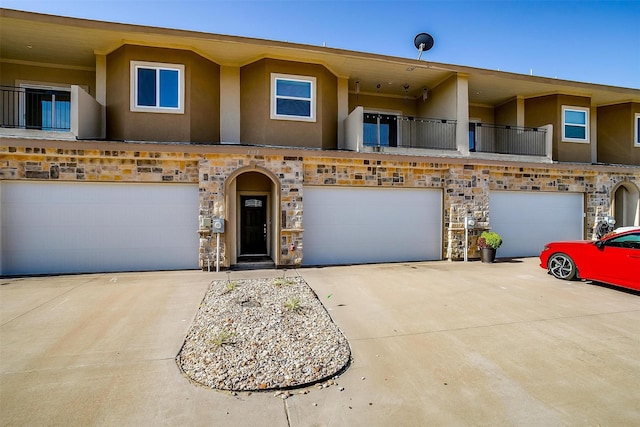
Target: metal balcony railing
<point>491,138</point>
<point>388,130</point>
<point>427,133</point>
<point>34,108</point>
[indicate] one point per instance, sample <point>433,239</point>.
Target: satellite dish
<point>423,43</point>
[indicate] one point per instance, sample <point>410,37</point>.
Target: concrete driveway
<point>434,343</point>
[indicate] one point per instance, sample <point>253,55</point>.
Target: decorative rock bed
<point>262,334</point>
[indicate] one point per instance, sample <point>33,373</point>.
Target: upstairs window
<point>575,124</point>
<point>156,87</point>
<point>293,97</point>
<point>636,133</point>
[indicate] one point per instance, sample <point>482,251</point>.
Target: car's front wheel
<point>562,266</point>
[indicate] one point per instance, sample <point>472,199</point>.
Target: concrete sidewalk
<point>434,343</point>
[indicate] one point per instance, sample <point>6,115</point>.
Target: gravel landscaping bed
<point>262,334</point>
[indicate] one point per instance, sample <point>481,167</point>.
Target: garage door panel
<point>527,220</point>
<point>361,225</point>
<point>95,227</point>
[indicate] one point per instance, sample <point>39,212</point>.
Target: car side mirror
<point>599,244</point>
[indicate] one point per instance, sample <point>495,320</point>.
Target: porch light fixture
<point>425,94</point>
<point>357,87</point>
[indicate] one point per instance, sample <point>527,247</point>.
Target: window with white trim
<point>293,97</point>
<point>157,87</point>
<point>575,124</point>
<point>636,133</point>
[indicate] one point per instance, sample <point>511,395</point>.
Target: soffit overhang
<point>33,38</point>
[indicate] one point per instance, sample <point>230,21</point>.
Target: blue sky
<point>588,41</point>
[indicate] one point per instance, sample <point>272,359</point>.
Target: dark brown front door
<point>253,225</point>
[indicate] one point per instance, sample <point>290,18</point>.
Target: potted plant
<point>488,242</point>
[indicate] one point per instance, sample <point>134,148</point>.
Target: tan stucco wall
<point>615,134</point>
<point>328,99</point>
<point>229,104</point>
<point>256,126</point>
<point>407,107</point>
<point>201,119</point>
<point>507,113</point>
<point>253,181</point>
<point>572,151</point>
<point>540,111</point>
<point>484,114</point>
<point>544,110</point>
<point>442,102</point>
<point>203,97</point>
<point>12,74</point>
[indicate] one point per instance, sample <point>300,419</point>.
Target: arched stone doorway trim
<point>232,196</point>
<point>625,204</point>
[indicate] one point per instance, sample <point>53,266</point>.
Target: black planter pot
<point>487,255</point>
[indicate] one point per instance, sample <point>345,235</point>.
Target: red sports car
<point>614,259</point>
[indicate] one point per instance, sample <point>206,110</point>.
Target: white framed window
<point>157,87</point>
<point>636,131</point>
<point>575,124</point>
<point>293,97</point>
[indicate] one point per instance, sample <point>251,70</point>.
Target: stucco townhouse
<point>126,148</point>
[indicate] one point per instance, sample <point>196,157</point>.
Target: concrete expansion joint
<point>492,325</point>
<point>36,308</point>
<point>286,412</point>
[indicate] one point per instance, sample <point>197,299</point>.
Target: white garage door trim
<point>355,225</point>
<point>67,227</point>
<point>528,220</point>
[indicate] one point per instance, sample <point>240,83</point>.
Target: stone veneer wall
<point>215,173</point>
<point>89,165</point>
<point>465,186</point>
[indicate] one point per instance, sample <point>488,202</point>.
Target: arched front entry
<point>253,211</point>
<point>626,204</point>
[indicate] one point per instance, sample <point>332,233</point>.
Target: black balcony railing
<point>490,138</point>
<point>428,133</point>
<point>388,130</point>
<point>34,108</point>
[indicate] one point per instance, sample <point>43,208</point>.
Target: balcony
<point>57,113</point>
<point>498,139</point>
<point>396,134</point>
<point>416,132</point>
<point>380,132</point>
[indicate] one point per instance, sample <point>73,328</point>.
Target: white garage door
<point>528,220</point>
<point>95,227</point>
<point>364,225</point>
